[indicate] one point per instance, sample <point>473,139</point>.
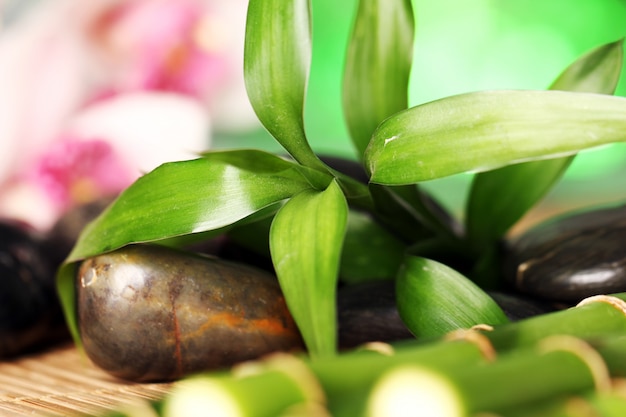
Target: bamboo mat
<point>62,382</point>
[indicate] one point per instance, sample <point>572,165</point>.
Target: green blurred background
<point>464,46</point>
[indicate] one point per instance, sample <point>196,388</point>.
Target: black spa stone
<point>367,312</point>
<point>571,257</point>
<point>30,313</point>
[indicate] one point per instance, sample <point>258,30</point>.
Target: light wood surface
<point>63,382</point>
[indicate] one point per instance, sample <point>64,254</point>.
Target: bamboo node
<point>578,347</point>
<point>413,390</point>
<point>619,387</point>
<point>579,406</point>
<point>483,326</point>
<point>247,369</point>
<point>297,370</point>
<point>379,347</point>
<point>473,336</point>
<point>609,299</point>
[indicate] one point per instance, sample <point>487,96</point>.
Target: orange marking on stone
<point>236,321</point>
<point>177,336</point>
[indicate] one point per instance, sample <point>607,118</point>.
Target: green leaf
<point>277,57</point>
<point>66,289</point>
<point>499,198</point>
<point>254,236</point>
<point>193,196</point>
<point>369,251</point>
<point>598,71</point>
<point>425,209</point>
<point>434,299</point>
<point>306,238</point>
<point>397,214</point>
<point>262,162</point>
<point>376,76</point>
<point>490,129</point>
<point>181,198</point>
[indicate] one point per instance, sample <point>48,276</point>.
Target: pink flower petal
<point>77,171</point>
<point>40,84</point>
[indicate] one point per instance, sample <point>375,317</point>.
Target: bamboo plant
<point>316,220</point>
<point>558,365</point>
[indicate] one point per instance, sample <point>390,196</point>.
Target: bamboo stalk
<point>345,380</point>
<point>356,372</point>
<point>566,406</point>
<point>593,317</point>
<point>558,367</point>
<point>613,350</point>
<point>263,389</point>
<point>590,404</point>
<point>421,390</point>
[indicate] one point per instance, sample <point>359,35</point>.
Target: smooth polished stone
<point>518,307</point>
<point>61,238</point>
<point>367,313</point>
<point>571,257</point>
<point>30,313</point>
<point>150,313</point>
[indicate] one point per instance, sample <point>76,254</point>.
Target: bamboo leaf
<point>517,188</point>
<point>369,252</point>
<point>254,236</point>
<point>277,58</point>
<point>411,213</point>
<point>194,196</point>
<point>434,299</point>
<point>398,215</point>
<point>378,65</point>
<point>181,198</point>
<point>66,289</point>
<point>263,162</point>
<point>305,242</point>
<point>597,71</point>
<point>499,198</point>
<point>486,130</point>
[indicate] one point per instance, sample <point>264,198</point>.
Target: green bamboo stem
<point>346,379</point>
<point>420,390</point>
<point>260,389</point>
<point>591,404</point>
<point>613,350</point>
<point>556,368</point>
<point>595,317</point>
<point>567,406</point>
<point>609,406</point>
<point>568,367</point>
<point>267,391</point>
<point>352,375</point>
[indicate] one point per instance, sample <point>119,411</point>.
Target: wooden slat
<point>62,382</point>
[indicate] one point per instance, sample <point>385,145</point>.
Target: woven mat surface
<point>62,382</point>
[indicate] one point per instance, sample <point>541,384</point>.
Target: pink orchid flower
<point>93,94</point>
